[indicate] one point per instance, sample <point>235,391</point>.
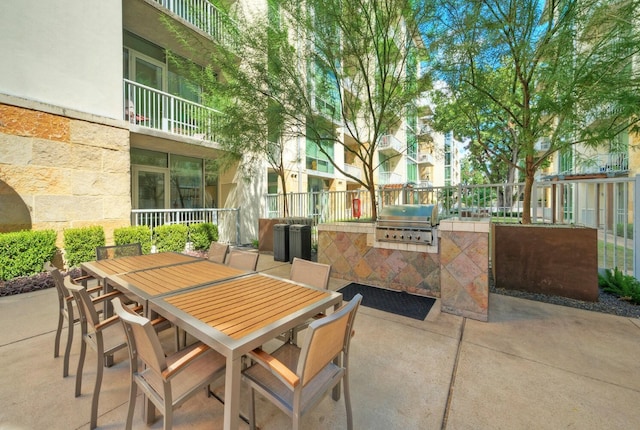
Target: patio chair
<point>105,337</point>
<point>166,381</point>
<point>243,260</point>
<point>66,312</point>
<point>296,378</point>
<point>310,273</point>
<point>115,251</point>
<point>218,252</point>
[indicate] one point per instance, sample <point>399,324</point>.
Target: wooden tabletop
<point>148,283</point>
<point>240,306</point>
<point>103,268</point>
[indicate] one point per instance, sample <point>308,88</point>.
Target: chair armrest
<point>275,366</point>
<point>80,279</point>
<point>109,295</point>
<point>158,320</point>
<point>94,289</point>
<point>182,363</point>
<point>106,323</point>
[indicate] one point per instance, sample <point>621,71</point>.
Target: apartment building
<point>95,122</point>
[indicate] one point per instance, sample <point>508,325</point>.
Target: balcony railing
<point>385,178</point>
<point>353,171</point>
<point>389,142</point>
<point>205,16</point>
<point>426,158</point>
<point>148,107</point>
<point>601,163</point>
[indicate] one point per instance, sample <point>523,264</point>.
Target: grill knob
<point>417,237</point>
<point>394,236</point>
<point>386,236</point>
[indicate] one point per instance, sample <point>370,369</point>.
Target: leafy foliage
<point>624,286</point>
<point>134,234</point>
<point>80,244</point>
<point>24,253</point>
<point>520,72</point>
<point>202,234</point>
<point>171,237</point>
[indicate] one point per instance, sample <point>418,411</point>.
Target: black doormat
<point>396,302</point>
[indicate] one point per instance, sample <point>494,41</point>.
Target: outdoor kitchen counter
<point>464,267</point>
<point>369,229</point>
<point>354,255</point>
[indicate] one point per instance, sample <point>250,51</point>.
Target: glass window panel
<point>186,182</point>
<point>145,157</point>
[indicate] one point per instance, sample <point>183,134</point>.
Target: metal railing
<point>205,16</point>
<point>607,205</point>
<point>227,220</point>
<point>390,142</point>
<point>148,107</point>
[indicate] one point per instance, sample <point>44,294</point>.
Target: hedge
<point>24,253</point>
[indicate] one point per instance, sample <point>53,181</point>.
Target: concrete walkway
<point>532,366</point>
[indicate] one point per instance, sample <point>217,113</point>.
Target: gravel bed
<point>607,303</point>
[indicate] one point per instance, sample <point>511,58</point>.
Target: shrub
<point>202,234</point>
<point>624,286</point>
<point>171,237</point>
<point>620,230</point>
<point>80,244</point>
<point>134,234</point>
<point>24,253</point>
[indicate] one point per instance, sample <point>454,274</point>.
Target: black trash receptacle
<point>281,242</point>
<point>299,242</point>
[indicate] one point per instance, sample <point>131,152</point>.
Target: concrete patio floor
<point>532,366</point>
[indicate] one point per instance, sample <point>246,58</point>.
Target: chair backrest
<point>243,260</point>
<point>142,338</point>
<point>88,313</point>
<point>115,251</point>
<point>58,280</point>
<point>218,252</point>
<point>310,273</point>
<point>327,337</point>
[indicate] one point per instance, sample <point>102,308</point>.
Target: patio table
<point>236,316</point>
<point>101,269</point>
<point>142,285</point>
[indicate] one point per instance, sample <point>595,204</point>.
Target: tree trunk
<point>374,207</point>
<point>285,203</point>
<point>528,187</point>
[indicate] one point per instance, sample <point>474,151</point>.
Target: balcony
<point>386,178</point>
<point>353,171</point>
<point>150,108</point>
<point>426,159</point>
<point>203,15</point>
<point>390,144</point>
<point>611,163</point>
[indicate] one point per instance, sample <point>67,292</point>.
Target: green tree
<point>328,72</point>
<point>523,71</point>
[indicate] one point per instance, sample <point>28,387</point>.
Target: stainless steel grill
<point>407,223</point>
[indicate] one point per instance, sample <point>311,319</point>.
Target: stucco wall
<point>58,172</point>
<point>67,54</point>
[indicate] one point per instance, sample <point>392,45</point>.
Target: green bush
<point>24,253</point>
<point>171,237</point>
<point>620,230</point>
<point>624,286</point>
<point>80,244</point>
<point>134,234</point>
<point>202,234</point>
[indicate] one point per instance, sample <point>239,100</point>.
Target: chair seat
<point>288,354</point>
<point>200,373</point>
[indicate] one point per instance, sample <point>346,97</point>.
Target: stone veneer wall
<point>349,248</point>
<point>464,258</point>
<point>58,172</point>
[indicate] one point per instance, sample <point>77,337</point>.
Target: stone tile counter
<point>355,255</point>
<point>464,267</point>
